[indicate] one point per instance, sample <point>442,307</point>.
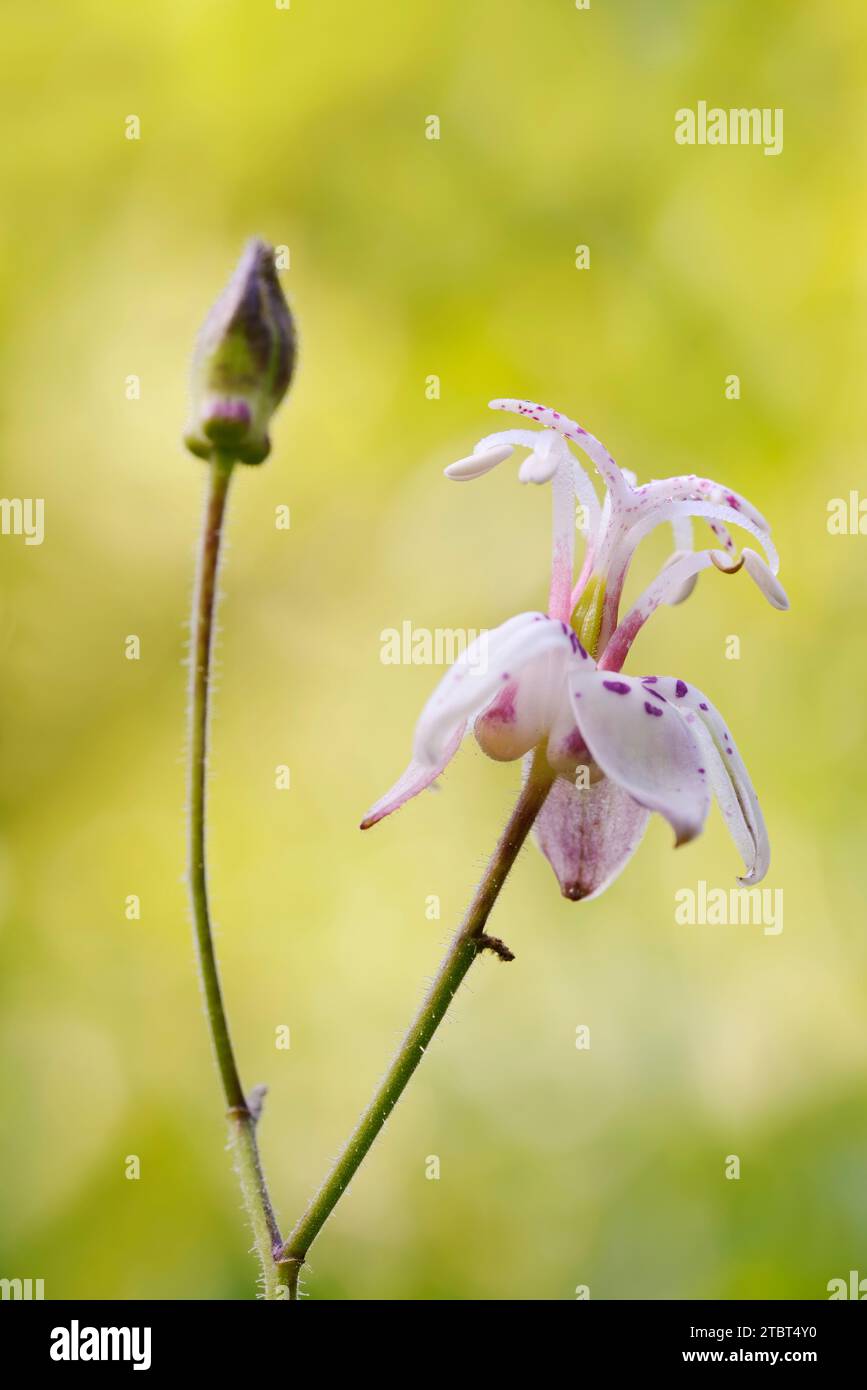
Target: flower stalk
<point>242,1118</point>
<point>242,367</point>
<point>468,943</point>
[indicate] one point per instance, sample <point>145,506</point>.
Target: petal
<point>487,665</point>
<point>589,834</point>
<point>644,745</point>
<point>417,777</point>
<point>728,774</point>
<point>524,711</point>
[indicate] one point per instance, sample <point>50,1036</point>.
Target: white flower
<point>646,744</point>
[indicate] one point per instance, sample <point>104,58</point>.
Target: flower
<point>621,746</point>
<point>243,362</point>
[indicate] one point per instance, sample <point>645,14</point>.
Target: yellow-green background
<point>412,257</point>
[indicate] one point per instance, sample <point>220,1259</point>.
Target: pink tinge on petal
<point>588,835</point>
<point>416,778</point>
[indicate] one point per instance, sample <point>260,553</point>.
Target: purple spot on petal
<point>680,689</point>
<point>648,680</point>
<point>619,687</point>
<point>702,705</point>
<point>701,770</point>
<point>652,709</point>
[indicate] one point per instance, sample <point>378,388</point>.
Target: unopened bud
<point>243,362</point>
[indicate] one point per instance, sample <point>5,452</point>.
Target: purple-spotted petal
<point>641,742</point>
<point>726,772</point>
<point>588,835</point>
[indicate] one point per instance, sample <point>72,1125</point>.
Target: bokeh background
<point>412,257</point>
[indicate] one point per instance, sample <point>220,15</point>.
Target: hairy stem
<point>242,1120</point>
<point>469,941</point>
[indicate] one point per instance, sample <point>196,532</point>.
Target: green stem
<point>241,1118</point>
<point>469,941</point>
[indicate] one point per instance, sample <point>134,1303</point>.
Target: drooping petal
<point>487,666</point>
<point>589,834</point>
<point>728,775</point>
<point>643,744</point>
<point>416,778</point>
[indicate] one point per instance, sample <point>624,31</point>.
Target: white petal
<point>487,666</point>
<point>522,713</point>
<point>642,743</point>
<point>725,766</point>
<point>415,779</point>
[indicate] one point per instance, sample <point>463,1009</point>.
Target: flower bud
<point>243,362</point>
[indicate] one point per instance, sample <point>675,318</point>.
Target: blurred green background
<point>412,257</point>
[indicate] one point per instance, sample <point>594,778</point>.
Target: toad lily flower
<point>621,746</point>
